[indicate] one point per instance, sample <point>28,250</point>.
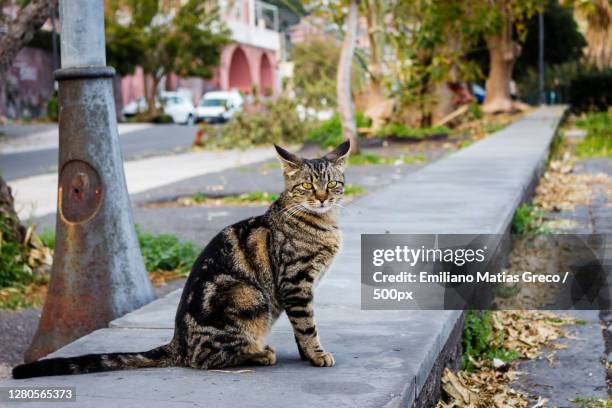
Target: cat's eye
<point>307,186</point>
<point>332,184</point>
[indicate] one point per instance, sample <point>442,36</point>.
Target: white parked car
<point>219,106</point>
<point>175,105</point>
<point>178,107</point>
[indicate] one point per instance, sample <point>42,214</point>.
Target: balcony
<point>254,23</point>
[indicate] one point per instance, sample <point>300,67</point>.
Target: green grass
<point>527,219</point>
<point>403,131</point>
<point>478,342</point>
<point>369,159</point>
<point>353,190</point>
<point>47,237</point>
<point>580,322</point>
<point>493,127</point>
<point>598,139</point>
<point>592,402</point>
<point>465,143</point>
<point>270,165</point>
<point>252,197</point>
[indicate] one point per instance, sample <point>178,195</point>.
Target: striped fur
<point>244,279</point>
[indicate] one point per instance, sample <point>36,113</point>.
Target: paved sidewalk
<point>383,358</point>
<point>37,196</point>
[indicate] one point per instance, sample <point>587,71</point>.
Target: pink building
<point>250,61</point>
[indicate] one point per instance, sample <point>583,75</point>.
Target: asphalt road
<point>153,141</point>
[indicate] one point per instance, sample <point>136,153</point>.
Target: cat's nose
<point>321,196</point>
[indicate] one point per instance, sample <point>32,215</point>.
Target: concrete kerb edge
<point>447,344</point>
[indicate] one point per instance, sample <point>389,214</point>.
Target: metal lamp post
<point>98,272</point>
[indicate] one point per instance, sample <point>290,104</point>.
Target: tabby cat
<point>244,279</point>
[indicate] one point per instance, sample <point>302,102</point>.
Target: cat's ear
<point>289,161</point>
<point>339,155</point>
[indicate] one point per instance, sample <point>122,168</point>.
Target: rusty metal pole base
<point>98,273</point>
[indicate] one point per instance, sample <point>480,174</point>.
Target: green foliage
<point>53,107</point>
<point>475,110</point>
<point>47,237</point>
<point>251,197</point>
<point>556,146</point>
<point>353,190</point>
<point>263,123</point>
<point>564,42</point>
<point>314,74</point>
<point>584,87</point>
<point>527,219</point>
<point>163,38</point>
<point>368,159</point>
<point>162,119</point>
<point>590,90</point>
<point>165,252</point>
<point>403,131</point>
<point>493,127</point>
<point>13,267</point>
<point>124,46</point>
<point>328,133</point>
<point>598,140</point>
<point>592,402</point>
<point>478,340</point>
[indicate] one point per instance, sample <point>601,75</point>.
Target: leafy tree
<point>21,29</point>
<point>563,41</point>
<point>185,39</point>
<point>598,14</point>
<point>505,17</point>
<point>314,74</point>
<point>428,41</point>
<point>344,15</point>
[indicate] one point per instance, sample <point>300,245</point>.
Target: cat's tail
<point>92,363</point>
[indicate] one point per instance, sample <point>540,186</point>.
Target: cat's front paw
<point>322,359</point>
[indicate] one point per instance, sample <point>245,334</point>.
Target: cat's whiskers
<point>290,208</point>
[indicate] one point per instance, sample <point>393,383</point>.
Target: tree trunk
<point>599,35</point>
<point>503,53</point>
<point>343,86</point>
<point>8,216</point>
<point>21,30</point>
<point>150,95</point>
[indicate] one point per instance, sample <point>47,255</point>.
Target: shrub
<point>479,340</point>
<point>583,87</point>
<point>47,237</point>
<point>263,122</point>
<point>162,119</point>
<point>591,90</point>
<point>328,133</point>
<point>165,252</point>
<point>13,267</point>
<point>162,252</point>
<point>527,219</point>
